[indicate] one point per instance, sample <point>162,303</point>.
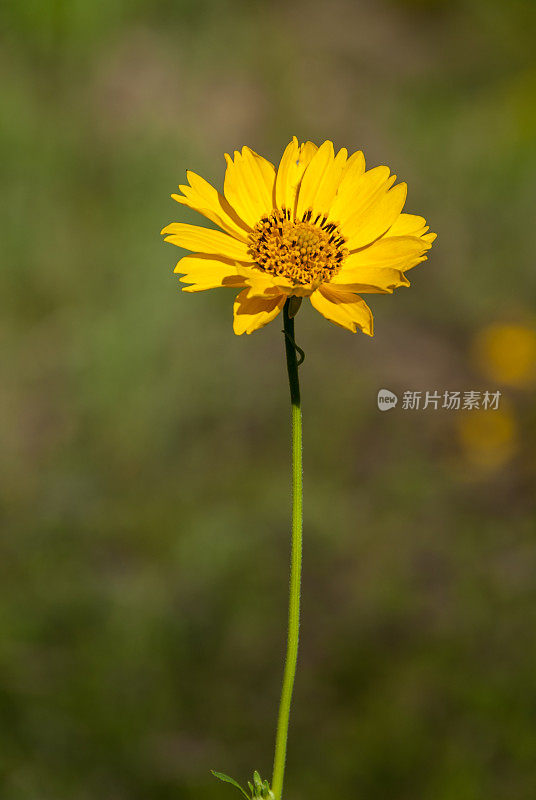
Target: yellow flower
<point>507,353</point>
<point>489,438</point>
<point>320,226</point>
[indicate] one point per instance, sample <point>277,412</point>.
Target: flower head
<point>489,439</point>
<point>507,353</point>
<point>320,226</point>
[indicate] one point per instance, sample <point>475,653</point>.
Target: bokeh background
<point>144,448</point>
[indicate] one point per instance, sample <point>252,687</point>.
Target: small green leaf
<point>227,779</point>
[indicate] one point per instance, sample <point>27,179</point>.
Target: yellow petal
<point>407,225</point>
<point>249,185</point>
<point>370,280</point>
<point>328,184</point>
<point>356,193</point>
<point>289,159</point>
<point>376,218</point>
<point>409,222</point>
<point>207,272</point>
<point>355,165</point>
<point>259,282</point>
<point>313,178</point>
<point>267,176</point>
<point>204,240</point>
<point>293,164</point>
<point>251,313</point>
<point>342,205</point>
<point>265,283</point>
<point>397,252</point>
<point>202,197</point>
<point>343,308</point>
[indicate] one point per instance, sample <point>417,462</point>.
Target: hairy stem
<point>296,560</point>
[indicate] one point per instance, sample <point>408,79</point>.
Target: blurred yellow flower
<point>489,439</point>
<point>320,226</point>
<point>507,353</point>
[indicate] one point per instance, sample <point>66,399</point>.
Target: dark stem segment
<point>292,362</point>
<point>291,659</point>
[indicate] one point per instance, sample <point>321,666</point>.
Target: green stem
<point>296,560</point>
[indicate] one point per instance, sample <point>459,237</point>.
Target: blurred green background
<point>144,448</point>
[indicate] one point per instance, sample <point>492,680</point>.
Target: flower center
<point>304,252</point>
